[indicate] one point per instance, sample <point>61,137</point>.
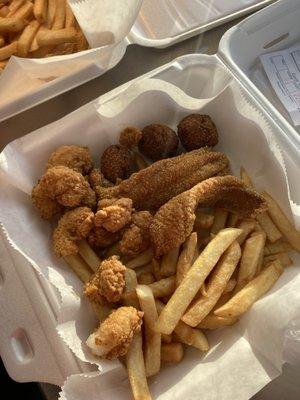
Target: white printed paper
<point>283,70</point>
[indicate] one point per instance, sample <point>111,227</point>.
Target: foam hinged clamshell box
<point>32,309</point>
<point>110,27</point>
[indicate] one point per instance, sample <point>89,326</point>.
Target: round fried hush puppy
<point>113,215</point>
<point>116,162</point>
<point>73,226</point>
<point>158,141</point>
<point>96,178</point>
<point>101,238</point>
<point>61,186</point>
<point>136,238</point>
<point>107,282</point>
<point>74,157</point>
<point>130,137</point>
<point>196,131</point>
<point>115,333</point>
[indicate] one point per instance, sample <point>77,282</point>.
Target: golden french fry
<point>268,227</point>
<point>186,257</point>
<point>81,42</point>
<point>4,11</point>
<point>160,306</point>
<point>24,12</point>
<point>166,338</point>
<point>129,297</point>
<point>217,283</point>
<point>15,5</point>
<point>11,24</point>
<point>194,279</point>
<point>34,45</point>
<point>8,50</point>
<point>80,268</point>
<point>230,286</point>
<point>172,352</point>
<point>102,311</point>
<point>246,178</point>
<point>212,321</point>
<point>60,15</point>
<point>156,269</point>
<point>245,298</point>
<point>232,220</point>
<point>51,13</point>
<point>251,256</point>
<point>203,220</point>
<point>2,41</point>
<point>190,336</point>
<point>70,19</point>
<point>26,38</point>
<point>136,369</point>
<point>277,247</point>
<point>164,287</point>
<point>223,299</point>
<point>140,260</point>
<point>141,270</point>
<point>247,226</point>
<point>153,338</point>
<point>169,263</point>
<point>219,221</point>
<point>146,278</point>
<point>284,259</point>
<point>139,160</point>
<point>51,38</point>
<point>203,290</point>
<point>40,10</point>
<point>282,222</point>
<point>89,256</point>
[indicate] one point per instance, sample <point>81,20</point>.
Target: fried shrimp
<point>113,214</point>
<point>75,157</point>
<point>73,226</point>
<point>61,186</point>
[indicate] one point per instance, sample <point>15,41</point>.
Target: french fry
<point>169,263</point>
<point>139,161</point>
<point>34,45</point>
<point>51,13</point>
<point>52,38</point>
<point>219,221</point>
<point>146,278</point>
<point>140,260</point>
<point>194,279</point>
<point>24,12</point>
<point>15,5</point>
<point>246,178</point>
<point>160,306</point>
<point>268,227</point>
<point>186,257</point>
<point>166,338</point>
<point>102,311</point>
<point>277,247</point>
<point>203,290</point>
<point>129,297</point>
<point>232,220</point>
<point>8,51</point>
<point>230,286</point>
<point>217,283</point>
<point>81,42</point>
<point>141,270</point>
<point>153,338</point>
<point>11,24</point>
<point>89,256</point>
<point>245,298</point>
<point>282,222</point>
<point>172,352</point>
<point>212,321</point>
<point>2,41</point>
<point>247,226</point>
<point>164,287</point>
<point>3,65</point>
<point>60,15</point>
<point>80,268</point>
<point>136,369</point>
<point>251,256</point>
<point>70,19</point>
<point>203,220</point>
<point>156,269</point>
<point>284,258</point>
<point>26,38</point>
<point>191,336</point>
<point>40,10</point>
<point>4,11</point>
<point>222,300</point>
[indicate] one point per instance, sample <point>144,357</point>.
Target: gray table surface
<point>137,61</point>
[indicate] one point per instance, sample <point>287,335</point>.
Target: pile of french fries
<point>38,28</point>
<point>214,278</point>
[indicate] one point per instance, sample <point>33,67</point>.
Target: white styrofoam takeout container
<point>29,344</point>
<point>160,23</point>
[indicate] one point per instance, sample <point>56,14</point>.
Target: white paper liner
<point>242,358</point>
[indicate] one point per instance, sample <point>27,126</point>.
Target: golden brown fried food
<point>74,157</point>
<point>174,220</point>
<point>96,178</point>
<point>155,185</point>
<point>107,283</point>
<point>61,186</point>
<point>130,137</point>
<point>116,162</point>
<point>73,226</point>
<point>114,215</point>
<point>115,333</point>
<point>100,237</point>
<point>136,238</point>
